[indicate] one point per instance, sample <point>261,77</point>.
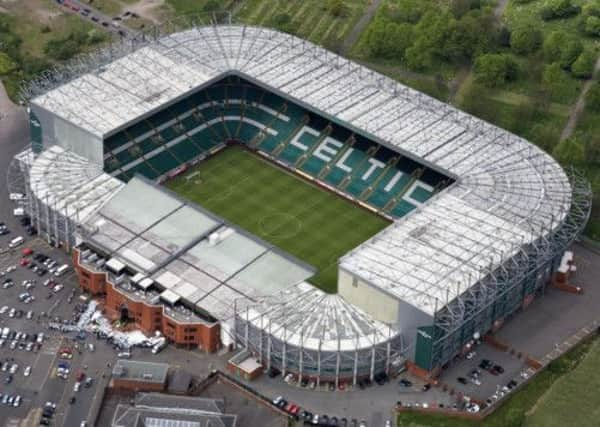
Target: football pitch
<point>306,221</point>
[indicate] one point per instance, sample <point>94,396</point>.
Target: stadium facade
<point>480,216</point>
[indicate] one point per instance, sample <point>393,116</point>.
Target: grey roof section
<point>505,186</point>
<point>69,183</point>
<point>163,410</point>
<point>136,370</point>
<point>179,381</point>
<point>307,317</point>
<point>189,253</point>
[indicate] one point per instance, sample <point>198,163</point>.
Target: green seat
<point>402,208</point>
<point>144,169</point>
<point>163,162</point>
<point>186,150</point>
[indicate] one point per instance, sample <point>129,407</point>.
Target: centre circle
<point>280,225</point>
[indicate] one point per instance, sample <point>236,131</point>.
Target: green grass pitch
<point>310,223</point>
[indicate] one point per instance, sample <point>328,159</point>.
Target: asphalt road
<point>102,18</point>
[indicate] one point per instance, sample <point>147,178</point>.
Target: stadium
<point>290,202</point>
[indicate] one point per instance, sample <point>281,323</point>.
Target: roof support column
<point>269,344</point>
<point>55,212</point>
<point>355,373</point>
<point>301,356</point>
<point>373,357</point>
<point>337,364</point>
<point>319,364</point>
<point>48,231</point>
<point>260,344</point>
<point>388,351</point>
<point>246,327</point>
<point>283,355</point>
<point>67,229</point>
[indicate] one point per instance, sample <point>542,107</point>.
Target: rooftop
<point>178,251</point>
<point>309,318</point>
<point>140,371</point>
<point>163,410</point>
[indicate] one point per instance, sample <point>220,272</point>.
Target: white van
<point>16,242</point>
<point>19,212</point>
<point>5,332</point>
<point>61,270</point>
<point>159,347</point>
<point>16,196</point>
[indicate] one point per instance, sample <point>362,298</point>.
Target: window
<point>355,282</point>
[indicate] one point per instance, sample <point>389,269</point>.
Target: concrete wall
<point>384,307</point>
<point>375,302</point>
<point>57,131</point>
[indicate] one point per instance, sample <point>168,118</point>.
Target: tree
<point>558,9</point>
<point>592,150</point>
<point>7,65</point>
<point>553,44</point>
<point>592,26</point>
<point>555,81</point>
<point>493,69</point>
<point>526,38</point>
<point>430,35</point>
<point>592,99</point>
<point>463,40</point>
<point>570,52</point>
<point>568,151</point>
<point>283,22</point>
<point>336,7</point>
<point>386,39</point>
<point>212,5</point>
<point>583,67</point>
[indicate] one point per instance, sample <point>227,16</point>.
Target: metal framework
<point>317,336</point>
<point>62,189</point>
<point>467,258</point>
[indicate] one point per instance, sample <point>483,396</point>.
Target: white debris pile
<point>86,316</point>
<point>93,321</point>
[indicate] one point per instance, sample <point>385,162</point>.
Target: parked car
<point>405,383</point>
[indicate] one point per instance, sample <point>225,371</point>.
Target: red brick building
<point>148,316</point>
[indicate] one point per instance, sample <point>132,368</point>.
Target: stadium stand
<point>233,110</point>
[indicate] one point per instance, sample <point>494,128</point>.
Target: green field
<point>563,394</point>
<point>312,224</point>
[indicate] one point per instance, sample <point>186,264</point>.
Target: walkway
<point>579,106</point>
<point>359,27</point>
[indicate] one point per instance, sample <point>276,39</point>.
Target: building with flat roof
<point>139,376</point>
<point>162,410</point>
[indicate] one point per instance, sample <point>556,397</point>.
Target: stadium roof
<point>68,183</point>
<point>507,191</point>
<point>189,253</point>
<point>309,318</point>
